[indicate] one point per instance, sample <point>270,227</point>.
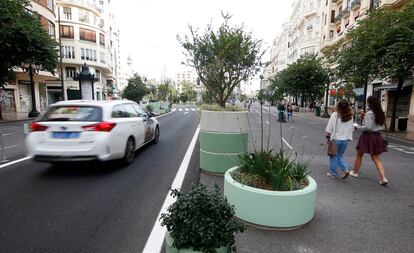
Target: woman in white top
<point>371,141</point>
<point>339,129</point>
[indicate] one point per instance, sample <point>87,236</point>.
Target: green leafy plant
<point>201,220</point>
<point>218,108</point>
<point>149,108</point>
<point>272,171</point>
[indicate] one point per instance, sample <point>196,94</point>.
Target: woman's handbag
<point>332,149</point>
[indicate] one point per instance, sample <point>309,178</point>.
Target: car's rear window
<point>73,113</point>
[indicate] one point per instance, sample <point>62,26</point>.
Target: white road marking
<point>15,161</point>
<point>8,134</point>
<point>156,238</point>
<point>402,148</point>
<point>185,113</point>
<point>267,122</point>
<point>186,109</point>
<point>180,109</point>
<point>162,115</point>
<point>174,109</point>
<point>13,146</point>
<point>192,109</point>
<point>287,144</point>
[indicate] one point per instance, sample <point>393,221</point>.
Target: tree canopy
<point>305,78</point>
<point>222,58</point>
<point>136,89</point>
<point>23,40</point>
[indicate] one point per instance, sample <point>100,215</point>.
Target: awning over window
<point>393,86</point>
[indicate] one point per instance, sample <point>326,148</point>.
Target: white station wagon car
<point>80,130</point>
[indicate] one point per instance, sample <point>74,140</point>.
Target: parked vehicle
<point>80,130</point>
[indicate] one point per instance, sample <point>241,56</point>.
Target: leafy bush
<point>201,220</point>
<point>263,169</point>
<point>149,108</point>
<point>218,108</point>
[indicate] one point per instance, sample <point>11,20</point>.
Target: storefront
<point>389,93</point>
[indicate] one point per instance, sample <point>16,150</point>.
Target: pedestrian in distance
<point>339,129</point>
<point>371,141</point>
<point>281,114</point>
<point>290,110</point>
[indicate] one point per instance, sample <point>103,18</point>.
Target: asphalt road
<point>352,215</point>
<point>94,208</point>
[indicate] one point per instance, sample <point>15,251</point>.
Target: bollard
<point>2,149</point>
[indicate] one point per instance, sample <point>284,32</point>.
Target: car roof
<point>102,103</point>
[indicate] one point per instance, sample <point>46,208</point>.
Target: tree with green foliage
<point>305,78</point>
<point>163,91</point>
<point>382,46</point>
<point>222,58</point>
<point>23,40</point>
<point>136,89</point>
<point>183,97</point>
<point>188,89</point>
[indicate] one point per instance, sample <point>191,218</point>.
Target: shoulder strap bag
<point>332,149</point>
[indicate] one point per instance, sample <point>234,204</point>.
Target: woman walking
<point>371,141</point>
<point>339,130</point>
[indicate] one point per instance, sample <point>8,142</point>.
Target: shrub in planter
<point>201,221</point>
<point>149,108</point>
<point>266,170</point>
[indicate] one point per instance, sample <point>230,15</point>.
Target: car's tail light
<point>36,127</point>
<point>100,127</point>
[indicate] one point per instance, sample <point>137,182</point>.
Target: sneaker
<point>352,173</point>
<point>330,175</point>
<point>346,174</point>
<point>383,181</point>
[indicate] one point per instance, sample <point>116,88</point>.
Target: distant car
<point>79,130</point>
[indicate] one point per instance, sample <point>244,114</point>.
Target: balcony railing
<point>345,13</point>
<point>355,4</point>
<point>87,3</point>
<point>338,17</point>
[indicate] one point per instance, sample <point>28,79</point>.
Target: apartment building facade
<point>314,26</point>
<point>88,35</point>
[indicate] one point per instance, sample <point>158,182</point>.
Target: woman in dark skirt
<point>371,141</point>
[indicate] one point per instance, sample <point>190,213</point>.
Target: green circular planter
<point>271,209</point>
<point>223,137</point>
<point>170,249</point>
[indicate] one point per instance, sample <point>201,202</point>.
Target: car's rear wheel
<point>156,135</point>
<point>129,155</point>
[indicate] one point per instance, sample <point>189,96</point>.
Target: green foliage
<point>306,78</point>
<point>189,91</point>
<point>201,220</point>
<point>23,39</point>
<point>222,58</point>
<point>218,108</point>
<point>136,89</point>
<point>149,108</point>
<point>278,171</point>
<point>183,97</point>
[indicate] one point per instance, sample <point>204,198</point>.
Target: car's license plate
<point>65,135</point>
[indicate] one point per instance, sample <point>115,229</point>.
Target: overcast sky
<point>148,28</point>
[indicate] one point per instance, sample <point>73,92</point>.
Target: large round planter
<point>170,249</point>
<point>271,209</point>
<point>223,137</point>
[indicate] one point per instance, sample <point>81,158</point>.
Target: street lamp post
<point>261,109</point>
<point>32,69</point>
<point>86,80</point>
<point>325,113</point>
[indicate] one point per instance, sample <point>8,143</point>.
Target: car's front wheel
<point>129,155</point>
<point>156,135</point>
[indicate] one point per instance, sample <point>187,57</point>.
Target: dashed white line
<point>186,109</point>
<point>267,122</point>
<point>174,109</point>
<point>193,109</point>
<point>180,109</point>
<point>15,161</point>
<point>287,144</point>
<point>156,238</point>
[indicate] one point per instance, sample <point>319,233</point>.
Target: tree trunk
<point>394,105</point>
<point>302,102</point>
<point>221,101</point>
<point>364,104</point>
<point>1,114</point>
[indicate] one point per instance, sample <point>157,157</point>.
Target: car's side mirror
<point>151,114</point>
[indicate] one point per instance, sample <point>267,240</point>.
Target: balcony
<point>87,3</point>
<point>346,12</point>
<point>338,17</point>
<point>355,4</point>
